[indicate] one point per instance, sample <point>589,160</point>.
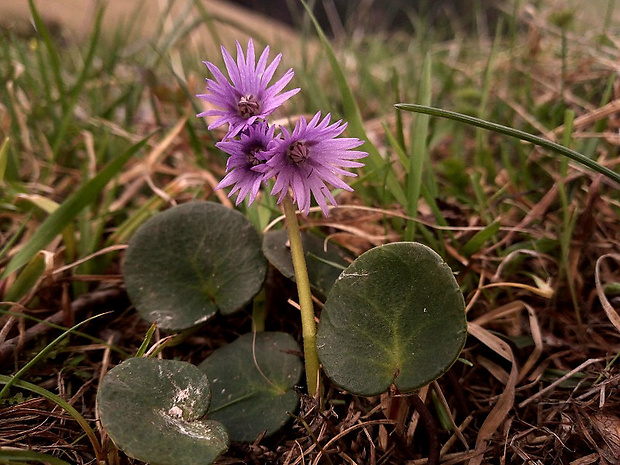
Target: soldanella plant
<point>301,161</point>
<point>393,319</point>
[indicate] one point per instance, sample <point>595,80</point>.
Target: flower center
<point>252,158</point>
<point>248,106</point>
<point>297,152</point>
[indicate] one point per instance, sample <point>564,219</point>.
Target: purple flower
<point>248,98</point>
<point>304,160</point>
<point>247,152</point>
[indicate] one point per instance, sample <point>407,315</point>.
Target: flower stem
<point>305,296</point>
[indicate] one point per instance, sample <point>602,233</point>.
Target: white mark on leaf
<point>352,275</point>
<point>175,412</point>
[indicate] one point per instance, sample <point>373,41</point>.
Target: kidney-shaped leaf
<point>152,410</point>
<point>186,263</point>
<point>324,266</point>
<point>252,380</point>
<point>396,316</point>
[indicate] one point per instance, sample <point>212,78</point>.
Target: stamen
<point>252,158</point>
<point>297,152</point>
<point>248,106</point>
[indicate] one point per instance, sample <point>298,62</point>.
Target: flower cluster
<point>301,162</point>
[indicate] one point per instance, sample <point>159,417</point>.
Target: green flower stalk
<point>306,307</point>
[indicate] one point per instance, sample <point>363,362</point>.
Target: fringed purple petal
<point>271,69</point>
<point>262,62</point>
<point>231,67</point>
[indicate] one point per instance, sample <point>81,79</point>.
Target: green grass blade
<point>73,95</point>
<point>569,217</point>
<point>400,133</point>
<point>353,115</point>
<point>477,241</point>
<point>49,45</point>
<point>398,147</point>
<point>40,355</point>
<point>49,324</point>
<point>4,156</point>
<point>599,126</point>
<point>63,404</point>
<point>92,52</point>
<point>83,197</point>
<point>27,279</point>
<point>431,201</point>
<point>9,244</point>
<point>68,232</point>
<point>208,20</point>
<point>28,456</point>
<point>516,133</point>
<point>147,340</point>
<point>483,154</point>
<point>351,110</point>
<point>124,231</point>
<point>419,150</point>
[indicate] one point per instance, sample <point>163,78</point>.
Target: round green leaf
<point>252,380</point>
<point>396,316</point>
<point>186,263</point>
<point>152,408</point>
<point>324,265</point>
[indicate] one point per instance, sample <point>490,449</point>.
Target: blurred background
<point>339,18</point>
